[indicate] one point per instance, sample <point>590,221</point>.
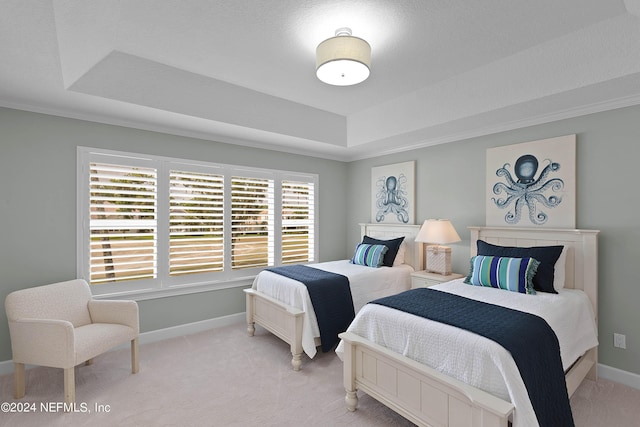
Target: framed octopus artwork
<point>532,184</point>
<point>393,193</point>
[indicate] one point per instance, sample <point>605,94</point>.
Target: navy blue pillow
<point>547,255</point>
<point>393,245</point>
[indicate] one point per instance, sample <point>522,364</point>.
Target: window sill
<point>147,294</point>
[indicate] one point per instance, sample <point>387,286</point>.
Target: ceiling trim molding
<point>219,138</point>
<point>352,154</point>
<point>570,113</point>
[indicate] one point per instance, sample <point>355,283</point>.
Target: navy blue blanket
<point>330,296</point>
<point>530,340</point>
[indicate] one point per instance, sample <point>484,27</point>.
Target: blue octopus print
<point>528,191</point>
<point>391,198</point>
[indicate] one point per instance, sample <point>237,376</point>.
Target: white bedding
<point>366,284</point>
<point>476,360</point>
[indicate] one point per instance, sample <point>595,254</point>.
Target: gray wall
<point>38,206</point>
<point>450,183</point>
<point>38,175</point>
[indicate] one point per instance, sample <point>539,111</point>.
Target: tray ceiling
<point>243,71</point>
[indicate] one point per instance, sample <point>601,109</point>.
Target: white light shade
<point>343,60</point>
<point>437,231</point>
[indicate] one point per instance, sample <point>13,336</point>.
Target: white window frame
<point>164,284</point>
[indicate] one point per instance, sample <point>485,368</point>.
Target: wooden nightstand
<point>424,279</point>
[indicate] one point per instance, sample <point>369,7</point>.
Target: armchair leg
<point>69,386</point>
<point>18,380</point>
<point>135,367</point>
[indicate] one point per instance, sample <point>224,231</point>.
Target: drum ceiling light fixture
<point>343,60</point>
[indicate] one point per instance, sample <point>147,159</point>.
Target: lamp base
<point>439,260</point>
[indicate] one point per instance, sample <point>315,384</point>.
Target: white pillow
<point>400,256</point>
<point>559,270</point>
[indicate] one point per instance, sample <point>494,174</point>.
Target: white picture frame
<point>393,193</point>
<point>532,184</point>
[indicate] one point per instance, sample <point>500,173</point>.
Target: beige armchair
<point>61,326</point>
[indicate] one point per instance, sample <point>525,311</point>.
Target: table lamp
<point>438,232</point>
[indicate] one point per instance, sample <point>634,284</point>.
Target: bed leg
<point>348,373</point>
<point>296,345</point>
<point>296,361</point>
<point>352,400</point>
<point>593,372</point>
<point>251,329</point>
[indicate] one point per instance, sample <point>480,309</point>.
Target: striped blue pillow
<point>511,274</point>
<point>369,255</point>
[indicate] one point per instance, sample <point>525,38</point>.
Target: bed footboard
<point>417,392</point>
<point>280,319</point>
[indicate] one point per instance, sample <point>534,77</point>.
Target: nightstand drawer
<point>424,279</point>
<point>420,282</point>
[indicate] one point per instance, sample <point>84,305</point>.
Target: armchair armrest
<point>44,342</point>
<point>123,312</point>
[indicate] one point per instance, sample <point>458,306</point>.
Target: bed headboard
<point>582,253</point>
<point>414,254</point>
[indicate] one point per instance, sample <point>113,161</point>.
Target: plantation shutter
<point>298,219</point>
<point>122,223</point>
<point>153,225</point>
<point>252,222</point>
<point>196,229</point>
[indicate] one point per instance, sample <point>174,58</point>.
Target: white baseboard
<point>619,376</point>
<point>6,366</point>
<point>190,328</point>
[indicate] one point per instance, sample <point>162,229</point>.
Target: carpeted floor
<point>222,377</point>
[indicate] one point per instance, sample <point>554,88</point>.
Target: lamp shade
<point>437,231</point>
<point>343,60</point>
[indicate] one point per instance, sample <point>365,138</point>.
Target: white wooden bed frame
<point>285,321</point>
<point>427,397</point>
